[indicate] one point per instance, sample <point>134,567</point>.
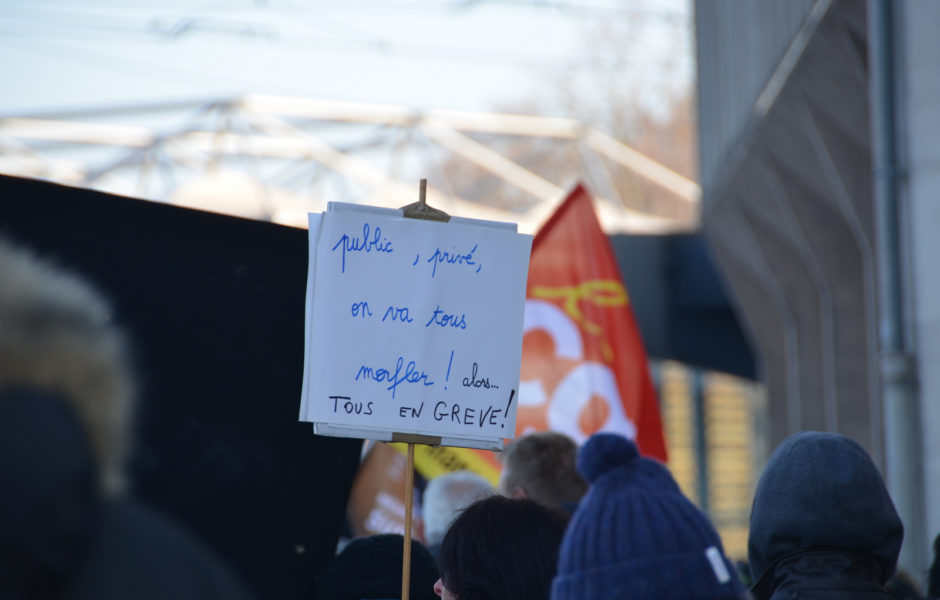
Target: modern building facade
<point>820,168</point>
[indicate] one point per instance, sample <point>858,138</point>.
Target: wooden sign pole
<point>409,496</point>
<point>415,210</point>
<point>465,286</point>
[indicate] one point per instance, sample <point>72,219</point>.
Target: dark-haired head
<point>933,576</point>
<point>370,567</point>
<point>501,549</point>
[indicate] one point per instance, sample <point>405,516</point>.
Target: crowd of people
<point>564,522</point>
<point>602,520</point>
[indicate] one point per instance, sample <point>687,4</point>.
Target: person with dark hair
<point>500,549</point>
<point>66,396</point>
<point>822,523</point>
<point>933,575</point>
<point>370,567</point>
<point>634,535</point>
<point>541,466</point>
<point>902,587</point>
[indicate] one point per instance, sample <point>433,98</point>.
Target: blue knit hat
<point>635,535</point>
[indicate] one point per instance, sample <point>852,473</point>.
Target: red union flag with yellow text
<point>584,368</point>
<point>583,364</point>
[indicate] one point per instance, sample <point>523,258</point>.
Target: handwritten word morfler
<point>411,374</point>
<point>364,244</point>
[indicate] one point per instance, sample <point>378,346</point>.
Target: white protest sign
<point>413,327</point>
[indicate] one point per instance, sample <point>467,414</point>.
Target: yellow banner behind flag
<point>431,461</point>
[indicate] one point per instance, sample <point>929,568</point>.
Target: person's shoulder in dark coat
<point>138,553</point>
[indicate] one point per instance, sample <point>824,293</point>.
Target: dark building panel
<point>680,303</point>
<point>795,188</point>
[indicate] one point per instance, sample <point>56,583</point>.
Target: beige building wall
<point>734,454</point>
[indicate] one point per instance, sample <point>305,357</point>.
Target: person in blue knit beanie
<point>635,536</point>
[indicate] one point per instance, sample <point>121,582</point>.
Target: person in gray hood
<point>822,523</point>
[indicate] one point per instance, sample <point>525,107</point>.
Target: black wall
<point>214,306</point>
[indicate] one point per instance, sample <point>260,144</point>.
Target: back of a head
<point>933,575</point>
<point>902,587</point>
<point>49,506</point>
<point>634,535</point>
<point>445,496</point>
<point>502,549</point>
<point>821,491</point>
<point>370,567</point>
<point>65,401</point>
<point>542,466</point>
<point>57,337</point>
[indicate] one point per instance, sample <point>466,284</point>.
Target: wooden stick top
<point>421,210</point>
<point>415,438</point>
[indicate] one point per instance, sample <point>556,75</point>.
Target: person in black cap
<point>634,535</point>
<point>822,523</point>
<point>66,392</point>
<point>371,568</point>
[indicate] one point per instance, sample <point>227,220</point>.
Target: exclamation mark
<point>508,404</point>
<point>449,363</point>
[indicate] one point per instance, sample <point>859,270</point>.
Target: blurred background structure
<point>277,158</point>
<point>503,106</point>
<point>819,171</point>
<point>809,127</point>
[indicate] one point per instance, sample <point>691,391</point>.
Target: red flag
<point>584,367</point>
<point>583,362</point>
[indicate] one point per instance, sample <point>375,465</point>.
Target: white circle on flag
<point>575,391</point>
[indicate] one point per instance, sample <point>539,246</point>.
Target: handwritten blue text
<point>402,374</point>
<point>439,317</point>
<point>452,257</point>
<point>375,243</point>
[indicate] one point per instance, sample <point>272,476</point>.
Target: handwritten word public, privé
<point>367,244</point>
<point>402,373</point>
<point>452,257</point>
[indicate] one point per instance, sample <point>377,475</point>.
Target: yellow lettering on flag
<point>600,292</point>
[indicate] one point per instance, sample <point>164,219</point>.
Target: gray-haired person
<point>444,497</point>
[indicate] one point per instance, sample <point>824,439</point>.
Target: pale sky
<point>471,55</point>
